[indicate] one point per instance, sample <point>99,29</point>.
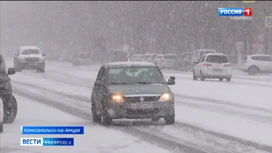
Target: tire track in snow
<point>149,137</point>
<point>145,134</point>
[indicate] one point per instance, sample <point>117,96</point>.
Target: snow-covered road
<point>211,116</point>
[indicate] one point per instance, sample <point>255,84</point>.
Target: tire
<point>221,79</point>
<point>155,119</point>
<point>10,110</point>
<point>194,76</point>
<point>170,119</point>
<point>202,76</point>
<point>106,119</point>
<point>228,79</point>
<point>96,118</point>
<point>253,70</point>
<point>1,127</point>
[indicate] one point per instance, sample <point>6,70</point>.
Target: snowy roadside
<point>96,138</point>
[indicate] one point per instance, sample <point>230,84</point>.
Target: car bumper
<point>125,110</point>
<point>32,65</point>
<point>211,74</point>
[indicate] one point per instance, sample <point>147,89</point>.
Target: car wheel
<point>1,127</point>
<point>106,119</point>
<point>202,76</point>
<point>194,76</point>
<point>220,79</point>
<point>253,70</point>
<point>228,79</point>
<point>170,119</point>
<point>155,119</point>
<point>10,110</point>
<point>96,118</point>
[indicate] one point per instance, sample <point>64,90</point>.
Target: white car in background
<point>197,54</point>
<point>158,60</point>
<point>137,57</point>
<point>213,65</point>
<point>149,57</point>
<point>1,115</point>
<point>258,63</point>
<point>169,61</point>
<point>29,57</point>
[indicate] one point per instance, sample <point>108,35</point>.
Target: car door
<point>199,65</point>
<point>96,97</point>
<point>100,88</point>
<point>268,63</point>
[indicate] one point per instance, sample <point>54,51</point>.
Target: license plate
<point>217,70</point>
<point>142,106</point>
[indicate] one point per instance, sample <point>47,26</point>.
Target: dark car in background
<point>81,58</point>
<point>132,90</point>
<point>117,56</point>
<point>183,62</point>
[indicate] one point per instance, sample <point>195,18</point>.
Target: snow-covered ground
<point>97,139</point>
<point>241,108</point>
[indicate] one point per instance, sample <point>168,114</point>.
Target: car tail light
<point>205,64</point>
<point>227,65</point>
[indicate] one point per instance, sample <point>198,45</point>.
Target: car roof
<point>215,54</point>
<point>129,64</point>
<point>28,47</point>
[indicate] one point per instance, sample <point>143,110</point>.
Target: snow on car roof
<point>128,64</point>
<point>28,47</point>
<point>215,54</point>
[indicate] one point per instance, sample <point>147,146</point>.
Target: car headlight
<point>117,98</point>
<point>166,97</point>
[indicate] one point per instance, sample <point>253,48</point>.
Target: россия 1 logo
<point>236,13</point>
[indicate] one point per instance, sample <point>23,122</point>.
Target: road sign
<point>268,21</point>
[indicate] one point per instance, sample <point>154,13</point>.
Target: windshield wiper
<point>117,83</point>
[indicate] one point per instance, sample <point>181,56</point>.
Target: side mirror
<point>171,81</point>
<point>11,71</point>
<point>43,54</point>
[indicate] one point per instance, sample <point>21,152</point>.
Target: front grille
<point>138,99</point>
<point>32,59</point>
<point>142,112</point>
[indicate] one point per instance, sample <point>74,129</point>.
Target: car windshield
<point>30,51</point>
<point>169,57</point>
<point>135,75</point>
<point>217,59</point>
<point>206,52</point>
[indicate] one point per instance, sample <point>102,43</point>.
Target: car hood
<point>139,89</point>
